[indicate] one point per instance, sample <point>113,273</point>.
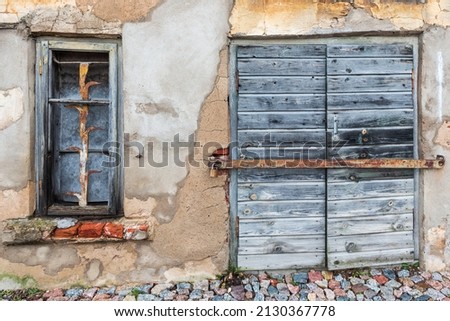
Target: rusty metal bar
<point>438,163</point>
<point>84,132</point>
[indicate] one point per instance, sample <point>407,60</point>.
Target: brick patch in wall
<point>36,230</point>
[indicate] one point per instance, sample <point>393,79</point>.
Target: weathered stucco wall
<point>175,84</point>
<point>163,93</point>
<point>310,17</point>
<point>435,134</point>
<point>429,22</point>
<point>16,127</point>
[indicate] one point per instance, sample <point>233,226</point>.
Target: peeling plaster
<point>17,204</point>
<point>109,11</point>
<point>288,17</point>
<point>117,260</point>
<point>70,20</point>
<point>179,68</point>
<point>443,135</point>
<point>152,108</point>
<point>11,107</point>
<point>135,208</point>
<point>192,271</point>
<point>118,10</point>
<point>435,247</point>
<point>94,269</point>
<point>51,258</point>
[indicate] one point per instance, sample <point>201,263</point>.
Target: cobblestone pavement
<point>350,285</point>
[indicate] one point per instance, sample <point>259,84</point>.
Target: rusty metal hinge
<point>219,163</point>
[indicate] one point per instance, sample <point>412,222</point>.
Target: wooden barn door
<point>281,114</point>
<point>370,111</point>
<point>323,102</point>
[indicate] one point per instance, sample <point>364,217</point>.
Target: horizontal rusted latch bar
<point>439,162</point>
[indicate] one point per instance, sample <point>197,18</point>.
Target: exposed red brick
<point>91,229</point>
<point>381,279</point>
<point>314,276</point>
<point>220,152</point>
<point>136,232</point>
<point>113,230</point>
<point>64,233</point>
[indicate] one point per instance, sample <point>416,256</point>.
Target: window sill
<point>77,211</point>
<point>70,230</point>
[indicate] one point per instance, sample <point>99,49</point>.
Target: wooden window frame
<point>44,48</point>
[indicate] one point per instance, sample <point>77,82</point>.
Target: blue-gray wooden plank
<point>281,120</point>
<point>282,226</point>
<point>375,50</point>
<point>283,50</point>
<point>377,100</point>
<point>281,191</point>
<point>269,138</point>
<point>386,257</point>
<point>289,208</point>
<point>364,83</point>
<point>309,152</point>
<point>280,113</point>
<point>282,84</point>
<point>282,261</point>
<point>291,67</point>
<point>371,101</point>
<point>281,244</point>
<point>281,102</point>
<point>373,136</point>
<point>368,66</point>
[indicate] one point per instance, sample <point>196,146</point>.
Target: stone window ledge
<point>70,230</point>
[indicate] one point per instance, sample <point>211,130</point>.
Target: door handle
<point>335,125</point>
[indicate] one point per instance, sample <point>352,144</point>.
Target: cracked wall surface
<point>175,87</point>
<point>291,17</point>
<point>16,127</point>
<point>434,116</point>
<point>80,16</point>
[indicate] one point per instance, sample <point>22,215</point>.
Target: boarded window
<point>76,127</point>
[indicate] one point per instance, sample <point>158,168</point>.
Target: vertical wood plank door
<point>370,114</point>
<point>333,101</point>
<point>281,114</point>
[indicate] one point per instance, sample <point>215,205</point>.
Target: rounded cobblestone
<point>348,285</point>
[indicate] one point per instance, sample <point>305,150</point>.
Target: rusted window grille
<point>76,124</point>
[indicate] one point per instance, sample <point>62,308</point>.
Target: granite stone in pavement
<point>375,285</point>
